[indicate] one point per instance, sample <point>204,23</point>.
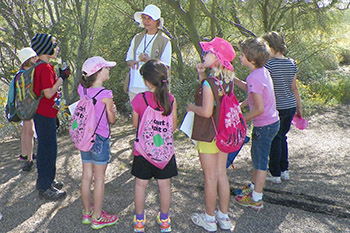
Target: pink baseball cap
<point>299,122</point>
<point>94,64</point>
<point>222,49</point>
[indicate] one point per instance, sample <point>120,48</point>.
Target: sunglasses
<point>204,53</point>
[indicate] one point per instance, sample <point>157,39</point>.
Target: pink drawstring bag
<point>299,122</point>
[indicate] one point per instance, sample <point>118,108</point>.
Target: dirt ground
<point>316,199</point>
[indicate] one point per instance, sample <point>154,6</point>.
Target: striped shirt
<point>282,72</point>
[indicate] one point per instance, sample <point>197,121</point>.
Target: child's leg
<point>165,195</point>
<point>86,180</point>
<point>208,162</point>
<point>27,139</point>
<point>99,188</point>
<point>259,180</point>
<point>139,195</point>
<point>223,185</point>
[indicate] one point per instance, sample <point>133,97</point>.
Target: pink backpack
<point>232,127</point>
<point>154,140</point>
<point>83,125</point>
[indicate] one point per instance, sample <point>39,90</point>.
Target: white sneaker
<point>199,220</point>
<point>224,223</point>
<point>285,175</point>
<point>274,179</point>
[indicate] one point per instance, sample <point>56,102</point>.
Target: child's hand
<point>113,108</point>
<point>200,68</point>
<point>189,107</point>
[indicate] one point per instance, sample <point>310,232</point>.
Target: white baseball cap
<point>26,53</point>
<point>151,11</point>
<point>94,64</point>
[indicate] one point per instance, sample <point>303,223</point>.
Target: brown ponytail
<point>155,72</point>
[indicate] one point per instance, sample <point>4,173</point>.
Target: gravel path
<point>317,199</point>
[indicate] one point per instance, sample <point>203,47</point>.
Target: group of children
<point>217,56</point>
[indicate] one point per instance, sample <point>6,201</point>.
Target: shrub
<point>345,56</point>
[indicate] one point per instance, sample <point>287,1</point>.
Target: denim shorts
<point>261,143</point>
<point>99,153</point>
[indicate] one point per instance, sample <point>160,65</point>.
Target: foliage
<point>331,89</point>
<point>86,28</point>
<point>345,56</point>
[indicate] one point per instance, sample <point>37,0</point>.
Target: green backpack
<point>26,101</point>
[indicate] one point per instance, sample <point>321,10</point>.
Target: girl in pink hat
<point>218,55</point>
<point>95,72</point>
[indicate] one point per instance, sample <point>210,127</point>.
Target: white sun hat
<point>26,53</point>
<point>151,11</point>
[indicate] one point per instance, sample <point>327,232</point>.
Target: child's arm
<point>110,109</point>
<point>241,84</point>
<point>206,110</point>
<point>49,92</point>
<point>243,104</point>
<point>297,96</point>
<point>135,119</point>
<point>258,108</point>
<point>174,112</point>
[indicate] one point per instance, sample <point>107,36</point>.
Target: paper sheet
<point>187,124</point>
<point>72,107</point>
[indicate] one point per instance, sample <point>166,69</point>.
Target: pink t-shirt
<point>139,105</point>
<point>103,127</point>
<point>259,81</point>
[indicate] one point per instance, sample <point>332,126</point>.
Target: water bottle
<point>64,66</point>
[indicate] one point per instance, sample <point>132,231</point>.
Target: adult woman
<point>151,43</point>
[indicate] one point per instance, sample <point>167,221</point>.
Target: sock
<point>140,216</point>
<point>257,196</point>
<point>163,216</point>
<point>251,185</point>
<point>209,218</point>
<point>221,215</point>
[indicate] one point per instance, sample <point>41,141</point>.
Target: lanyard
<point>144,44</point>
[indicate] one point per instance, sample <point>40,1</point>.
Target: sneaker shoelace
<point>164,223</point>
<point>139,224</point>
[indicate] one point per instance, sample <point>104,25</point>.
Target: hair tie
<point>164,80</point>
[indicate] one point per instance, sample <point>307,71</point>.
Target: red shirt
<point>44,78</point>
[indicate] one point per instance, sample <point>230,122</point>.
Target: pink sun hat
<point>94,64</point>
<point>222,49</point>
<point>299,122</point>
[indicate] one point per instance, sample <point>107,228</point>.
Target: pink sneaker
<point>104,221</point>
<point>87,216</point>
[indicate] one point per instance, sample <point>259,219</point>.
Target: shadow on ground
<point>315,200</point>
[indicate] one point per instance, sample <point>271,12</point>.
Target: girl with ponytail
<point>155,77</point>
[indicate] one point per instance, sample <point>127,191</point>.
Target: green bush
<point>345,56</point>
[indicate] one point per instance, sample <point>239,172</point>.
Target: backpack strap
<point>104,109</point>
<point>158,109</point>
<point>144,98</point>
<point>224,92</point>
<point>222,88</point>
